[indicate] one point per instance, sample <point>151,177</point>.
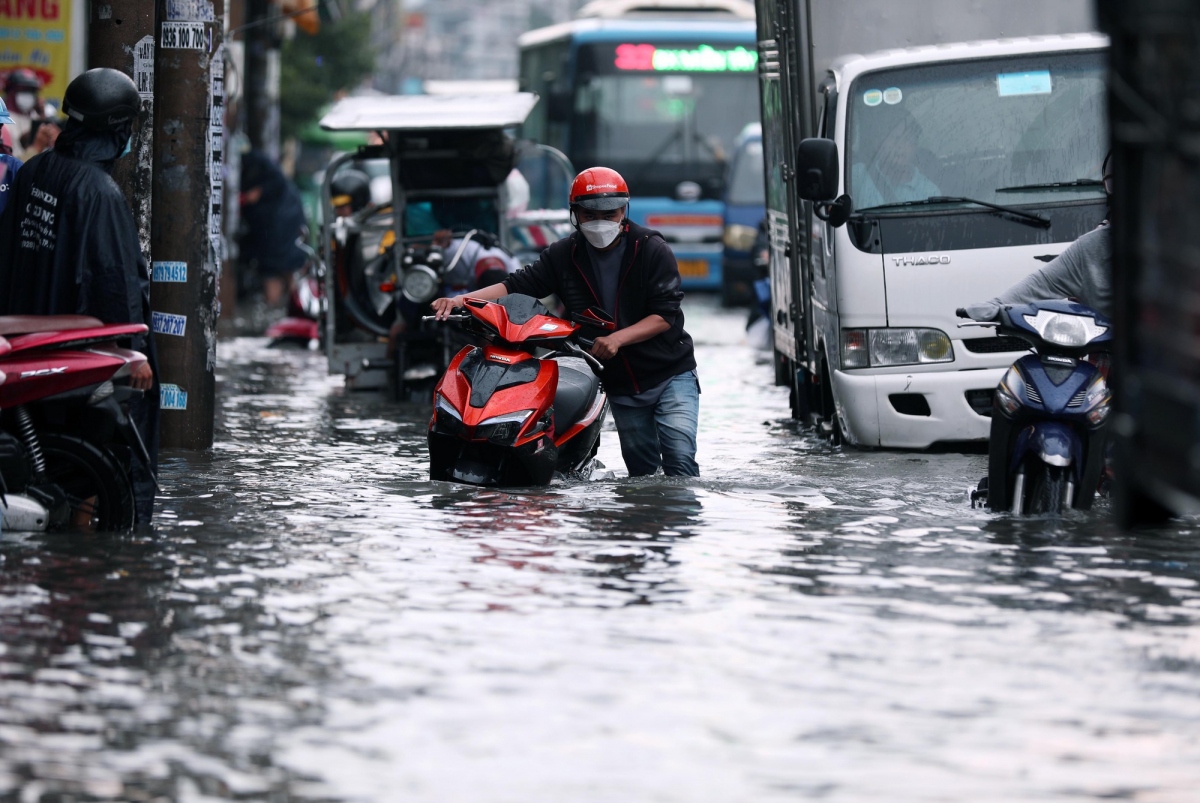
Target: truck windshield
<point>660,126</point>
<point>1020,131</point>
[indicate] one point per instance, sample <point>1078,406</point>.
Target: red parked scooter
<point>503,416</point>
<point>66,440</point>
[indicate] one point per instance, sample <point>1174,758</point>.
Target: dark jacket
<point>649,285</point>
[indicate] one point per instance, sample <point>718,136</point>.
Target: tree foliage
<point>315,68</point>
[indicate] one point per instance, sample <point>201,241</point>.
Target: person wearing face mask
<point>629,272</point>
<point>68,242</point>
<point>9,164</point>
<point>21,93</point>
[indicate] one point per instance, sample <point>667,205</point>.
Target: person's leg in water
<point>639,438</point>
<point>676,417</point>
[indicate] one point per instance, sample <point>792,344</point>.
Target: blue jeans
<point>662,434</point>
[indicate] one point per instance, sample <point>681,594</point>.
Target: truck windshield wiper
<point>1025,217</point>
<point>1056,185</point>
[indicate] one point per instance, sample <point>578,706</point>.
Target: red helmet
<point>599,188</point>
<point>22,78</point>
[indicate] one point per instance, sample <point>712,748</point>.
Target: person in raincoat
<point>9,164</point>
<point>68,242</point>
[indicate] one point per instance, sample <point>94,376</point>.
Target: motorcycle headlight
<point>503,428</point>
<point>1063,329</point>
<point>420,284</point>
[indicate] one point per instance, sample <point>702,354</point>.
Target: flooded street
<point>313,620</point>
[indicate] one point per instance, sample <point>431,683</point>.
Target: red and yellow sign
<point>37,34</point>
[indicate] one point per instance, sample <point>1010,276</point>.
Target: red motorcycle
<point>502,415</point>
<point>66,440</point>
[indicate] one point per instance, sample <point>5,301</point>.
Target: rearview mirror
<point>595,317</point>
<point>817,169</point>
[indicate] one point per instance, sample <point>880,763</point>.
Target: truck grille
<point>995,345</point>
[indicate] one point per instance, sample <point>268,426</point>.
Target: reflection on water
<point>314,620</point>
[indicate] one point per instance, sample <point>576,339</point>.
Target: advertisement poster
<point>37,34</point>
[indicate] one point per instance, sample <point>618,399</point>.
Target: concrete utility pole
<point>186,227</point>
<point>121,36</point>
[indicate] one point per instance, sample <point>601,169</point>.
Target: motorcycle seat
<point>577,389</point>
<point>29,324</point>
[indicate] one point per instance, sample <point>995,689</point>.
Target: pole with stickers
<point>121,36</point>
<point>185,238</point>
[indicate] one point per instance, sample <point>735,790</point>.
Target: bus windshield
<point>1019,131</point>
<point>659,128</point>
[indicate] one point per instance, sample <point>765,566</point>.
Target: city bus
<point>658,90</point>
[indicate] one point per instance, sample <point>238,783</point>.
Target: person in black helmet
<point>349,192</point>
<point>68,243</point>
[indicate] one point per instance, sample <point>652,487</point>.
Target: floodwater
<point>312,620</point>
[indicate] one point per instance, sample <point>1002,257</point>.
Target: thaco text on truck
<point>658,90</point>
<point>454,166</point>
<point>904,184</point>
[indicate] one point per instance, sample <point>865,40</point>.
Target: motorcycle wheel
<point>97,487</point>
<point>1047,489</point>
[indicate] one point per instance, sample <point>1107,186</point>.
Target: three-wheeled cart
<point>453,166</point>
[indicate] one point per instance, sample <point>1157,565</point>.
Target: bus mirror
<point>817,169</point>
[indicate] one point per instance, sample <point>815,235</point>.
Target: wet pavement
<point>314,621</point>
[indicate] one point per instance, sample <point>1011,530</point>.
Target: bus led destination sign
<point>702,58</point>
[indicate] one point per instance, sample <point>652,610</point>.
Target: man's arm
<point>444,307</point>
<point>605,348</point>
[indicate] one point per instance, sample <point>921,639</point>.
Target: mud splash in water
<point>315,621</point>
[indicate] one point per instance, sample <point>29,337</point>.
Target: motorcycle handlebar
<point>447,319</point>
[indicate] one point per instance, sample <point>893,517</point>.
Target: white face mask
<point>25,101</point>
<point>601,233</point>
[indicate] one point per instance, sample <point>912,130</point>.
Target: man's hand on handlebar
<point>605,348</point>
<point>443,308</point>
<point>142,377</point>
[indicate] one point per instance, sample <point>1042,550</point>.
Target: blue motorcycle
<point>1046,451</point>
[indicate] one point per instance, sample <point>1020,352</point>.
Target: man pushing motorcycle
<point>629,272</point>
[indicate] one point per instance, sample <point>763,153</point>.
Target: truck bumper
<point>873,420</point>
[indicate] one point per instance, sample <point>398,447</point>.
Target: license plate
<point>693,268</point>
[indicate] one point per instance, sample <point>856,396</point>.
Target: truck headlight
<point>886,347</point>
<point>740,238</point>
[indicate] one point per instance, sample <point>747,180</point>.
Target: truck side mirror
<point>817,169</point>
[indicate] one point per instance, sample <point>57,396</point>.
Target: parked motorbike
<point>1047,445</point>
<point>503,416</point>
<point>306,306</point>
<point>66,440</point>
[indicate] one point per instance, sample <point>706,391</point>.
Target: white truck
<point>904,184</point>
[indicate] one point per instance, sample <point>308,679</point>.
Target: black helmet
<point>102,99</point>
<point>22,78</point>
<point>350,187</point>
